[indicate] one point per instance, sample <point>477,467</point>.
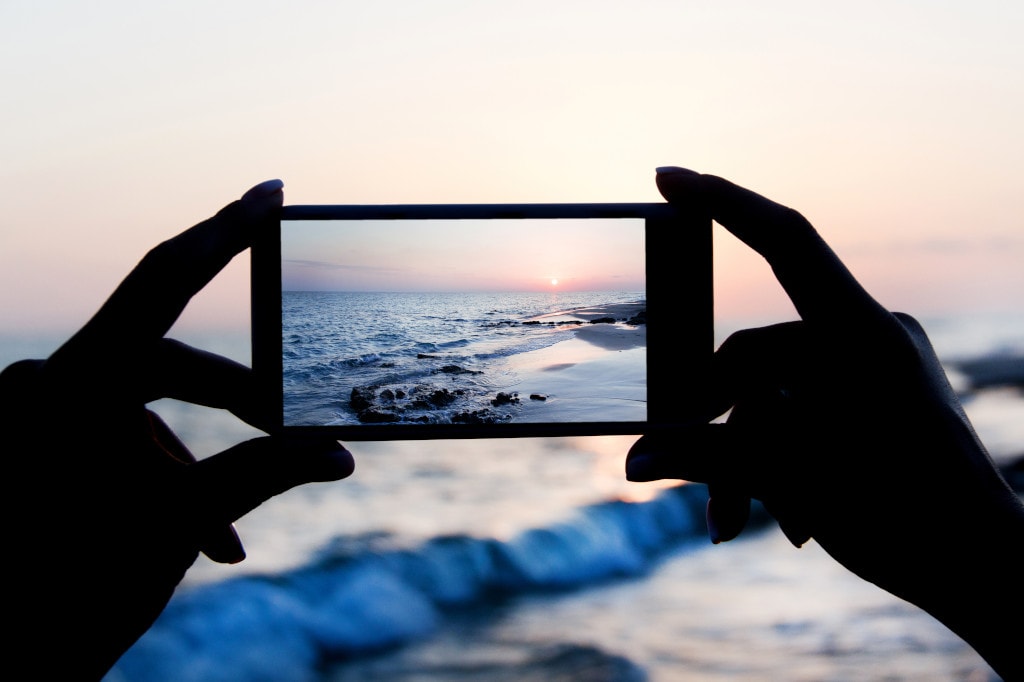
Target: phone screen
<point>417,327</point>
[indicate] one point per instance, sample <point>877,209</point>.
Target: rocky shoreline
<point>426,403</point>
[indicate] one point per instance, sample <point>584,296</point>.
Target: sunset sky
<point>463,255</point>
<point>894,126</point>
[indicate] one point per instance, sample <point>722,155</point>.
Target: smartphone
<point>386,322</point>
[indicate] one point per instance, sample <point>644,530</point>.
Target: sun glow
<point>554,282</point>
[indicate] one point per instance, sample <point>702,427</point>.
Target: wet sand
<point>598,375</point>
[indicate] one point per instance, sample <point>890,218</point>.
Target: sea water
<point>533,559</point>
<point>446,354</point>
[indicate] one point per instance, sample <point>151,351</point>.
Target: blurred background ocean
<point>533,559</point>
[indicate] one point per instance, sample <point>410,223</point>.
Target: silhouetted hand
<point>107,508</point>
<point>844,425</point>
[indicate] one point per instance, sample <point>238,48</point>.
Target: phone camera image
<point>456,321</point>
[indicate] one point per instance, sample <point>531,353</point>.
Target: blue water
<point>334,342</point>
<point>360,595</point>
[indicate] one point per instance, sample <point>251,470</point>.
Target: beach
<point>444,358</point>
<point>600,369</point>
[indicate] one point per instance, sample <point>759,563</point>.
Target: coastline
<point>619,311</point>
<point>597,375</point>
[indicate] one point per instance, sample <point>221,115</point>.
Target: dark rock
<point>638,319</point>
<point>538,396</point>
<point>505,399</point>
<point>361,398</point>
<point>455,369</point>
<point>994,371</point>
<point>439,397</point>
<point>603,320</point>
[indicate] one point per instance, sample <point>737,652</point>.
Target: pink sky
<point>464,255</point>
<point>894,127</point>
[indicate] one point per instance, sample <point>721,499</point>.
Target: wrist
<point>975,589</point>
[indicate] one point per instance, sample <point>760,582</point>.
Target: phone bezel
<point>678,264</point>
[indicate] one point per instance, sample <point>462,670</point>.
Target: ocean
<point>352,358</point>
<point>533,559</point>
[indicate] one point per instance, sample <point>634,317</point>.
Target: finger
<point>153,295</point>
<point>777,484</point>
<point>752,361</point>
<point>694,453</point>
<point>749,365</point>
<point>192,375</point>
<point>230,484</point>
<point>700,455</point>
<point>793,525</point>
<point>220,541</point>
<point>817,282</point>
<point>727,513</point>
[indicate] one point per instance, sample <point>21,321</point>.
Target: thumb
<point>700,453</point>
<point>228,485</point>
<point>263,199</point>
<point>696,454</point>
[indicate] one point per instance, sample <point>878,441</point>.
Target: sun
<point>554,282</point>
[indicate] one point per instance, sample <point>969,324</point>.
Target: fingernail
<point>713,533</point>
<point>238,551</point>
<point>264,189</point>
<point>223,546</point>
<point>796,537</point>
<point>668,170</point>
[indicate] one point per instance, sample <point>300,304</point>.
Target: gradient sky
<point>463,255</point>
<point>894,126</point>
